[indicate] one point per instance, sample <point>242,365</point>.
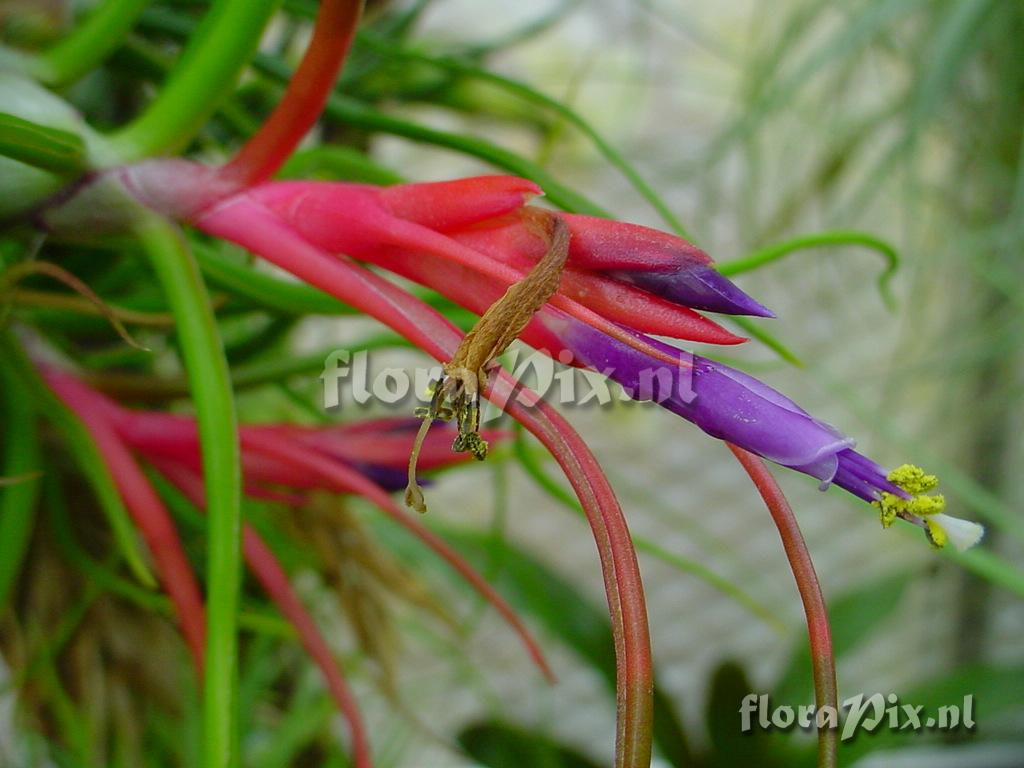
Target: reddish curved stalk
<point>634,672</point>
<point>434,334</point>
<point>146,509</point>
<point>823,662</point>
<point>304,99</point>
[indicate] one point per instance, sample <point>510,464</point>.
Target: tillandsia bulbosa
<point>589,291</point>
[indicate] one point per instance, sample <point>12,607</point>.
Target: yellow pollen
<point>936,535</point>
<point>914,481</point>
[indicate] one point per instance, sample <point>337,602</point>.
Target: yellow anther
<point>923,506</point>
<point>913,480</point>
<point>936,534</point>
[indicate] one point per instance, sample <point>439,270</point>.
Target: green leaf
<point>275,294</point>
<point>535,98</point>
<point>503,745</point>
<point>40,146</point>
<point>730,745</point>
<point>308,714</point>
<point>352,112</point>
<point>210,383</point>
<point>955,40</point>
<point>773,253</point>
<point>74,55</point>
<point>338,162</point>
<point>204,77</point>
<point>17,499</point>
<point>82,448</point>
<point>990,566</point>
<point>755,331</point>
<point>262,289</point>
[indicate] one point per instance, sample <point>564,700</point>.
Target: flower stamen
<point>925,511</point>
<point>466,375</point>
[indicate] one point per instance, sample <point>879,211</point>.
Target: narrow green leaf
<point>730,746</point>
<point>307,715</point>
<point>263,289</point>
<point>204,77</point>
<point>360,115</point>
<point>279,295</point>
<point>771,341</point>
<point>503,745</point>
<point>210,383</point>
<point>773,253</point>
<point>533,96</point>
<point>92,41</point>
<point>82,448</point>
<point>955,40</point>
<point>338,162</point>
<point>17,500</point>
<point>40,146</point>
<point>990,566</point>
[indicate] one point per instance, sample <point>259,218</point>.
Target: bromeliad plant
<point>580,287</point>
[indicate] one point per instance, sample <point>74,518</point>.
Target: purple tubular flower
<point>732,406</point>
<point>695,286</point>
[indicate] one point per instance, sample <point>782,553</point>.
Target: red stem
<point>823,661</point>
<point>304,99</point>
<point>634,671</point>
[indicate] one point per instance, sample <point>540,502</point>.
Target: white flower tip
<point>962,534</point>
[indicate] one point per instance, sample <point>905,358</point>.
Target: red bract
<point>617,273</point>
<point>146,509</point>
<point>479,227</point>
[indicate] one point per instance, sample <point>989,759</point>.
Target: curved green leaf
<point>773,253</point>
<point>210,382</point>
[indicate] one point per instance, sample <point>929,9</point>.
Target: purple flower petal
<point>696,286</point>
<point>730,405</point>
